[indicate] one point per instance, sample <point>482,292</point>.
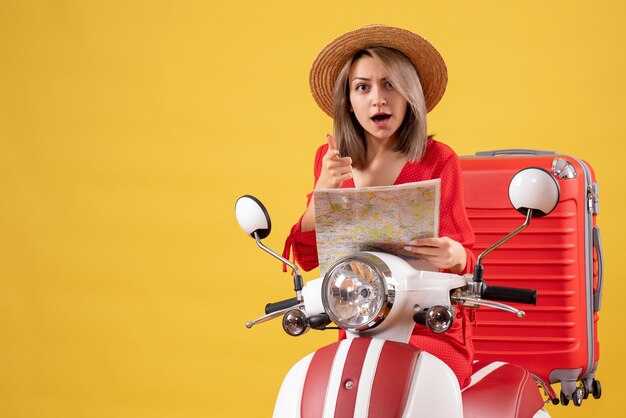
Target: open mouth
<point>381,117</point>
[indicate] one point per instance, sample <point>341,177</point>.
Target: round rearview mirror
<point>252,216</point>
<point>536,189</point>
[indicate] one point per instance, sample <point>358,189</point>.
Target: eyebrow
<point>368,79</point>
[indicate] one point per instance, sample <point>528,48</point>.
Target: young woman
<point>378,83</point>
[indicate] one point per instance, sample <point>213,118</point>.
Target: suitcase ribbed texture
<point>557,339</point>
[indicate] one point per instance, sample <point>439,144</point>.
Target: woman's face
<point>377,105</point>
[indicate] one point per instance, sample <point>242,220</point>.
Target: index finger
<point>332,144</point>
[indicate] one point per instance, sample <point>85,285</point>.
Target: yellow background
<point>129,128</point>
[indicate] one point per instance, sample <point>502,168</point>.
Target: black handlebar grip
<point>283,304</point>
<point>510,294</point>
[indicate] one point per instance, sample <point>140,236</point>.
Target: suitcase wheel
<point>585,387</point>
<point>596,389</point>
<point>576,396</point>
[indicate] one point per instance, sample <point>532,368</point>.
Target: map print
<point>375,219</point>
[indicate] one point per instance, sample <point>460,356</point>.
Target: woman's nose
<point>378,97</point>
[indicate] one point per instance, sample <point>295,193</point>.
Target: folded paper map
<point>375,219</point>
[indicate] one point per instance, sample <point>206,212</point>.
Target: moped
<point>377,298</point>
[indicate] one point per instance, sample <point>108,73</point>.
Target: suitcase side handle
<point>513,151</point>
<point>597,245</point>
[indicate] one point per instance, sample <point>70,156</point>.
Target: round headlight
<point>355,292</point>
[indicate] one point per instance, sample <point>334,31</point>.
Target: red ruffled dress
<point>439,161</point>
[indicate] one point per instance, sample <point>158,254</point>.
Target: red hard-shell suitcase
<point>559,255</point>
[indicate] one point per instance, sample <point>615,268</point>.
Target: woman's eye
<point>361,87</point>
<point>388,85</point>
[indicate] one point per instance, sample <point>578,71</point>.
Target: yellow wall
<point>129,128</point>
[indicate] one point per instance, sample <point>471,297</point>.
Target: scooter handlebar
<point>280,305</point>
<point>510,294</point>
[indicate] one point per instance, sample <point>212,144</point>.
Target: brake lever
<point>476,303</point>
<point>273,315</point>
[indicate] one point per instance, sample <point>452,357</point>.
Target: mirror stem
<point>297,278</point>
<point>478,270</point>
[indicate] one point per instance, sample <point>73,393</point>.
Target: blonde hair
<point>412,136</point>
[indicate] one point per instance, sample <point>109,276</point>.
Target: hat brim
<point>430,66</point>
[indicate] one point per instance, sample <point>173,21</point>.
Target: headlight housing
<point>356,293</point>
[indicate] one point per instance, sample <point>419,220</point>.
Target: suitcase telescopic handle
<point>510,294</point>
<point>513,151</point>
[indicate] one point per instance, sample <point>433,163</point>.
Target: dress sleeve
<point>453,221</point>
<point>303,245</point>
